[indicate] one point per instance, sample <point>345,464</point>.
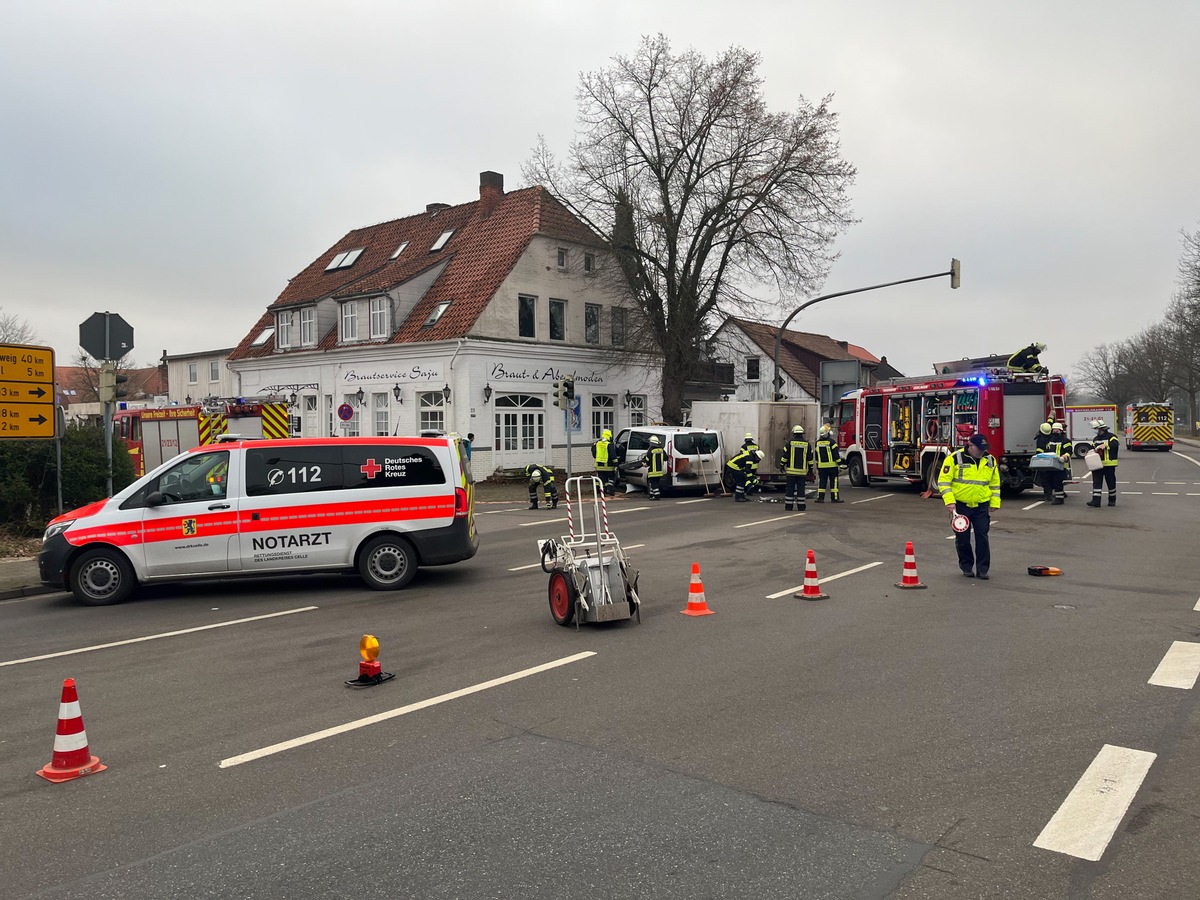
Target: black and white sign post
<point>106,337</point>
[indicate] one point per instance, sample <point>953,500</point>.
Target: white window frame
<point>442,239</point>
<point>283,330</point>
<point>379,310</point>
<point>382,414</point>
<point>637,410</point>
<point>604,414</point>
<point>214,370</point>
<point>308,326</point>
<point>431,411</point>
<point>354,423</point>
<point>563,258</point>
<point>193,373</point>
<point>349,321</point>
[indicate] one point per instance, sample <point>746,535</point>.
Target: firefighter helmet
<point>827,429</point>
<point>1044,428</point>
<point>1057,426</point>
<point>535,475</point>
<point>1040,347</point>
<point>749,436</point>
<point>798,430</point>
<point>654,441</point>
<point>759,455</point>
<point>606,435</point>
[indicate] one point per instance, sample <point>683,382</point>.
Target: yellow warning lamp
<point>369,647</point>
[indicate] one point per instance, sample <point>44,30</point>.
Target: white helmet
<point>654,441</point>
<point>1040,346</point>
<point>749,436</point>
<point>760,455</point>
<point>536,476</point>
<point>1044,428</point>
<point>1057,426</point>
<point>1097,424</point>
<point>827,429</point>
<point>798,429</point>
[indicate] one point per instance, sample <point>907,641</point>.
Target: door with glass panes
<point>520,431</point>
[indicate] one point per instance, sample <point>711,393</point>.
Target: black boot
<point>1095,501</point>
<point>533,505</point>
<point>1112,501</point>
<point>836,500</point>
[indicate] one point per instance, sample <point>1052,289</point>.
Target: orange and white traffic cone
<point>697,605</point>
<point>909,578</point>
<point>812,587</point>
<point>71,758</point>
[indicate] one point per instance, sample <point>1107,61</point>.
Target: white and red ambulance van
<point>381,505</point>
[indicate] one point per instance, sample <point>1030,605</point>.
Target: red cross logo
<point>371,469</point>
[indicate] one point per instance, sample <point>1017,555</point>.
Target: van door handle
<point>219,506</point>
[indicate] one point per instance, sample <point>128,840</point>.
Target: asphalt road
<point>882,743</point>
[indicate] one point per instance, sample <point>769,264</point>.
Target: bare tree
<point>1149,361</point>
<point>704,193</point>
<point>91,372</point>
<point>1183,319</point>
<point>15,330</point>
<point>1105,373</point>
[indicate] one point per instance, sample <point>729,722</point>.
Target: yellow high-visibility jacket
<point>970,482</point>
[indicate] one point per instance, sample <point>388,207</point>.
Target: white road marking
<point>155,637</point>
<point>1174,482</point>
<point>869,499</point>
<point>1039,503</point>
<point>798,587</point>
<point>1131,493</point>
<point>617,512</point>
<point>701,500</point>
<point>1188,458</point>
<point>540,522</point>
<point>492,512</point>
<point>765,521</point>
<point>399,711</point>
<point>1163,493</point>
<point>950,537</point>
<point>1084,824</point>
<point>1145,482</point>
<point>1179,668</point>
<point>537,565</point>
<point>1196,608</point>
<point>1190,494</point>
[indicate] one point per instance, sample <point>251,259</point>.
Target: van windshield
<point>694,442</point>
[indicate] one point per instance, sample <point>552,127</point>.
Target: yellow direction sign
<point>26,392</point>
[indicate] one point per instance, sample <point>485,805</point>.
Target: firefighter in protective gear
<point>655,462</point>
<point>1043,438</point>
<point>1026,359</point>
<point>829,460</point>
<point>543,477</point>
<point>740,467</point>
<point>1052,486</point>
<point>970,484</point>
<point>752,482</point>
<point>796,465</point>
<point>1107,445</point>
<point>605,455</point>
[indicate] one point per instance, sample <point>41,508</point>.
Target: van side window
<point>695,442</point>
<point>639,440</point>
<point>382,466</point>
<point>201,476</point>
<point>293,470</point>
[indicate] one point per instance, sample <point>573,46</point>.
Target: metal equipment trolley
<point>590,576</point>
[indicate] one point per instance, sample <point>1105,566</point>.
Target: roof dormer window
<point>345,260</point>
<point>396,253</point>
<point>263,336</point>
<point>436,314</point>
<point>441,241</point>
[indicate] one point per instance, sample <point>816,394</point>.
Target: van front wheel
<point>102,577</point>
<point>387,563</point>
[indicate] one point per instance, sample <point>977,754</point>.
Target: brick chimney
<point>491,191</point>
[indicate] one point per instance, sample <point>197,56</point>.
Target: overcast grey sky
<point>178,163</point>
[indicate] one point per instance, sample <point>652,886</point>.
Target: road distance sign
<point>27,392</point>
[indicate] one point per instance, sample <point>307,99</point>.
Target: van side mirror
<point>154,498</point>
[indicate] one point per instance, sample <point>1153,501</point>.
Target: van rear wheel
<point>387,563</point>
<point>102,577</point>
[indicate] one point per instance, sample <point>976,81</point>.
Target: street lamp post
<point>778,382</point>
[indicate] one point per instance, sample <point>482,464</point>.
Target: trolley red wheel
<point>562,598</point>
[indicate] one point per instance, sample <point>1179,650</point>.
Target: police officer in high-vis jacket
<point>970,484</point>
<point>796,464</point>
<point>541,477</point>
<point>828,462</point>
<point>605,455</point>
<point>1106,444</point>
<point>655,462</point>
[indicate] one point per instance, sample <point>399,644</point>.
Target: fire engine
<point>1151,426</point>
<point>154,436</point>
<point>902,428</point>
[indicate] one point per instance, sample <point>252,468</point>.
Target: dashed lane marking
<point>1087,819</point>
<point>701,500</point>
<point>765,521</point>
<point>1038,503</point>
<point>1145,482</point>
<point>1163,493</point>
<point>1196,608</point>
<point>155,637</point>
<point>540,522</point>
<point>399,711</point>
<point>869,499</point>
<point>1179,668</point>
<point>825,580</point>
<point>1175,482</point>
<point>537,565</point>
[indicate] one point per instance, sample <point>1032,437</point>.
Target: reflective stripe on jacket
<point>740,462</point>
<point>827,453</point>
<point>749,447</point>
<point>600,451</point>
<point>547,473</point>
<point>797,458</point>
<point>1060,448</point>
<point>970,482</point>
<point>656,462</point>
<point>1107,448</point>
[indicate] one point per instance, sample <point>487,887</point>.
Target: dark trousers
<point>550,490</point>
<point>828,479</point>
<point>1106,476</point>
<point>652,486</point>
<point>980,519</point>
<point>608,477</point>
<point>794,491</point>
<point>739,485</point>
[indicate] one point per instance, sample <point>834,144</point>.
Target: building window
<point>591,323</point>
<point>589,263</point>
<point>353,427</point>
<point>562,259</point>
<point>283,330</point>
<point>558,320</point>
<point>332,429</point>
<point>396,253</point>
<point>379,317</point>
<point>345,260</point>
<point>527,316</point>
<point>637,410</point>
<point>752,368</point>
<point>214,371</point>
<point>436,314</point>
<point>308,327</point>
<point>192,373</point>
<point>618,326</point>
<point>295,423</point>
<point>432,406</point>
<point>441,241</point>
<point>604,407</point>
<point>350,321</point>
<point>381,415</point>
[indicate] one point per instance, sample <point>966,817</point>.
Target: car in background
<point>695,457</point>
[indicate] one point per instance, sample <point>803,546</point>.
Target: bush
<point>29,480</point>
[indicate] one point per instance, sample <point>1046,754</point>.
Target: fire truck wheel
<point>102,577</point>
<point>1081,450</point>
<point>387,563</point>
<point>855,472</point>
<point>562,599</point>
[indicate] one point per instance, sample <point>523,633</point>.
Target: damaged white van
<point>383,506</point>
<point>695,456</point>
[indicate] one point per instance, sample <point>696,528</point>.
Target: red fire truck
<point>904,427</point>
<point>154,436</point>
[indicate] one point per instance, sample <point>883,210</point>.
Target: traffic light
<point>955,271</point>
<point>560,394</point>
<point>108,382</point>
<point>569,385</point>
<point>119,388</point>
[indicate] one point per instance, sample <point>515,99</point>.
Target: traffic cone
<point>697,605</point>
<point>909,578</point>
<point>71,758</point>
<point>812,587</point>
